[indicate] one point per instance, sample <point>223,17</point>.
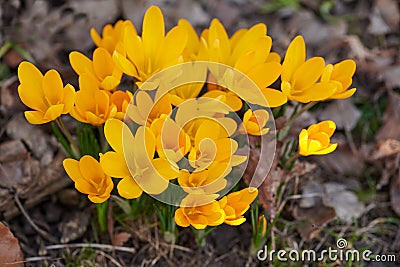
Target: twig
<point>94,245</point>
<point>102,253</point>
<point>30,221</point>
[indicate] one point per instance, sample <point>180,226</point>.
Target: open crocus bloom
<point>248,51</point>
<point>193,212</point>
<point>340,75</point>
<point>300,76</point>
<point>111,35</point>
<point>136,166</point>
<point>209,181</point>
<point>236,204</point>
<point>143,56</point>
<point>254,122</point>
<point>89,178</point>
<point>46,94</point>
<point>92,105</point>
<point>102,69</point>
<point>316,139</point>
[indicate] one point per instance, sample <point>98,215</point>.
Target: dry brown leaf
<point>312,220</point>
<point>391,119</point>
<point>395,194</point>
<point>389,10</point>
<point>391,76</point>
<point>341,161</point>
<point>10,252</point>
<point>269,187</point>
<point>386,148</point>
<point>119,239</point>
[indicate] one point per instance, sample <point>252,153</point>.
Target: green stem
<point>284,131</point>
<point>292,159</point>
<point>301,111</point>
<point>68,135</point>
<point>102,215</point>
<point>103,141</point>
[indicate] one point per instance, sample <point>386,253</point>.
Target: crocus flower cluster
<point>185,136</point>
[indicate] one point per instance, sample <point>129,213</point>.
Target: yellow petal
<point>53,112</point>
<point>113,164</point>
<point>32,97</point>
<point>69,98</point>
<point>125,65</point>
<point>53,87</point>
<point>295,56</point>
<point>80,63</point>
<point>180,218</point>
<point>275,98</point>
<point>35,117</point>
<point>128,188</point>
<point>265,74</point>
<point>327,150</point>
<point>308,73</point>
<point>153,31</point>
<point>102,63</point>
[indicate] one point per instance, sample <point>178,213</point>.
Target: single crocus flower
<point>340,75</point>
<point>111,35</point>
<point>248,51</point>
<point>46,94</point>
<point>194,212</point>
<point>92,105</point>
<point>143,56</point>
<point>254,122</point>
<point>316,139</point>
<point>209,181</point>
<point>300,76</point>
<point>102,69</point>
<point>132,161</point>
<point>236,204</point>
<point>89,178</point>
<point>121,100</point>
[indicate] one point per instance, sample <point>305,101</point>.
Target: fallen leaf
<point>377,25</point>
<point>75,227</point>
<point>12,150</point>
<point>386,148</point>
<point>390,12</point>
<point>341,161</point>
<point>119,239</point>
<point>10,252</point>
<point>391,76</point>
<point>312,220</point>
<point>395,194</point>
<point>391,119</point>
<point>345,202</point>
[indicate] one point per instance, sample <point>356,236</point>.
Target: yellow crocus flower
<point>248,51</point>
<point>111,35</point>
<point>132,160</point>
<point>89,178</point>
<point>46,94</point>
<point>254,122</point>
<point>193,212</point>
<point>236,204</point>
<point>101,69</point>
<point>340,75</point>
<point>209,181</point>
<point>316,139</point>
<point>121,100</point>
<point>92,105</point>
<point>300,76</point>
<point>172,142</point>
<point>143,56</point>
